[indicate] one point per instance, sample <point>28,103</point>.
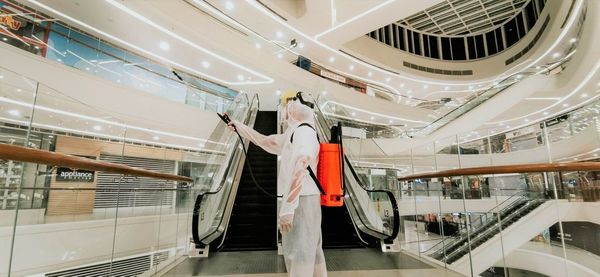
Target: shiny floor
<point>340,262</point>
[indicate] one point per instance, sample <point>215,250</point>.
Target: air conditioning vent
<point>123,267</point>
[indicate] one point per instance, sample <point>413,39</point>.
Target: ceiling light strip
<point>353,18</point>
<point>144,51</point>
<point>85,117</point>
<point>186,41</point>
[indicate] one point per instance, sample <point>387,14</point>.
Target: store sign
<point>9,21</point>
<point>69,175</point>
<point>333,76</point>
<point>64,174</point>
<point>520,132</point>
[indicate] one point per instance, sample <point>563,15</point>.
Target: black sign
<point>64,174</point>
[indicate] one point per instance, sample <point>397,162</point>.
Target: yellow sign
<point>10,22</point>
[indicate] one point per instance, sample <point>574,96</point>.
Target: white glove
<point>286,223</point>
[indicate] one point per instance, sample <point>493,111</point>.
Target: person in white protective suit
<point>300,213</point>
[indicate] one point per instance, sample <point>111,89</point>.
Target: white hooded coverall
<point>301,200</point>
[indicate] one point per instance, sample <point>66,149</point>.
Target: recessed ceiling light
<point>37,47</point>
<point>388,79</point>
<point>425,86</point>
<point>4,39</point>
<point>229,5</point>
<point>333,109</point>
<point>565,104</point>
<point>59,60</point>
<point>118,81</point>
<point>573,40</point>
<point>19,90</point>
<point>409,91</point>
<point>205,64</point>
<point>14,112</point>
<point>351,67</point>
<point>390,121</point>
<point>470,87</point>
<point>584,95</point>
<point>324,92</point>
<point>370,74</point>
<point>164,45</point>
<point>240,77</point>
<point>519,76</point>
<point>279,55</point>
<point>301,45</point>
<point>279,34</point>
<point>500,123</point>
<point>278,92</point>
<point>87,68</point>
<point>353,114</point>
<point>556,55</point>
<point>545,113</point>
<point>526,120</point>
<point>155,138</point>
<point>331,59</point>
<point>1,77</point>
<point>257,45</point>
<point>97,127</point>
<point>538,67</point>
<point>201,145</point>
<point>402,85</point>
<point>372,118</point>
<point>446,88</point>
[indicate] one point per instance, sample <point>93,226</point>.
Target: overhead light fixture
<point>351,67</point>
<point>446,88</point>
<point>201,145</point>
<point>425,86</point>
<point>301,45</point>
<point>1,77</point>
<point>546,113</point>
<point>279,34</point>
<point>279,55</point>
<point>257,45</point>
<point>278,92</point>
<point>584,95</point>
<point>409,91</point>
<point>14,112</point>
<point>390,121</point>
<point>370,74</point>
<point>556,55</point>
<point>324,92</point>
<point>353,114</point>
<point>97,127</point>
<point>240,77</point>
<point>573,40</point>
<point>229,5</point>
<point>155,138</point>
<point>331,59</point>
<point>388,79</point>
<point>372,118</point>
<point>565,105</point>
<point>4,39</point>
<point>164,45</point>
<point>402,85</point>
<point>205,64</point>
<point>19,90</point>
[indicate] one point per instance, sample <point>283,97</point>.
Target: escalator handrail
<point>393,202</point>
<point>198,202</point>
<point>460,235</point>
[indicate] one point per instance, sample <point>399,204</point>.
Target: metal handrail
<point>198,202</point>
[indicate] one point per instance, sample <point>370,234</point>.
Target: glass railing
<point>472,234</point>
<point>55,40</point>
<point>60,221</point>
<point>373,211</point>
<point>213,206</point>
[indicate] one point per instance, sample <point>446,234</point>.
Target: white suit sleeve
<point>305,148</point>
<point>272,144</point>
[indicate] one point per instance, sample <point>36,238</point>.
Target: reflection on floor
<point>340,262</point>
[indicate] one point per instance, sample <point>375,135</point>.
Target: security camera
<point>293,43</point>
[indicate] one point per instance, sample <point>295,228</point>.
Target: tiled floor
<point>340,262</point>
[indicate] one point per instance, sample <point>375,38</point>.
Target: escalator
<point>253,220</point>
<point>249,222</point>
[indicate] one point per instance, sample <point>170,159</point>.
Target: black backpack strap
<point>303,124</point>
<point>310,171</point>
